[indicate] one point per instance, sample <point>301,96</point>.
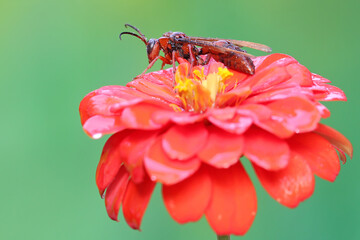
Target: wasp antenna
<point>135,35</point>
<point>136,29</point>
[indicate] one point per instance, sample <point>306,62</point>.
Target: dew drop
<point>97,135</point>
<point>153,178</point>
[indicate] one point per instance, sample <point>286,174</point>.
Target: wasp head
<point>152,46</point>
<point>153,49</point>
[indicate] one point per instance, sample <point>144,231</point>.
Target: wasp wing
<point>240,43</point>
<point>214,48</point>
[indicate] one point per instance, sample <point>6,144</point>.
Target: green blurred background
<point>52,53</point>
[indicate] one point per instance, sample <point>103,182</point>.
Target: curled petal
<point>342,155</point>
<point>115,193</point>
<point>166,170</point>
<point>295,113</point>
<point>291,185</point>
<point>187,200</point>
<point>233,203</point>
<point>335,138</point>
<point>110,161</point>
<point>266,150</point>
<point>319,154</point>
<point>132,151</point>
<point>183,142</point>
<point>222,149</point>
<point>136,199</point>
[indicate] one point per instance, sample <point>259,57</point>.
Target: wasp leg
<point>165,61</point>
<point>174,67</point>
<point>192,60</point>
<point>207,58</point>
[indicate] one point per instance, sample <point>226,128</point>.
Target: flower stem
<point>224,237</point>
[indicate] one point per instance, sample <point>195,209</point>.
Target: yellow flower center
<point>200,91</point>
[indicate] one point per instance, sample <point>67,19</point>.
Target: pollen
<point>198,91</point>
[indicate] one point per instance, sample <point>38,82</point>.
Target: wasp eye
<point>150,45</point>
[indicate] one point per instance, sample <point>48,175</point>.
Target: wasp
<point>198,50</point>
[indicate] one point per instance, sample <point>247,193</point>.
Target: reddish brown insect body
<point>177,45</point>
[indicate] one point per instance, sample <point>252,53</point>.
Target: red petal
<point>319,79</point>
<point>229,120</point>
<point>335,138</point>
<point>101,100</point>
<point>93,104</point>
<point>110,161</point>
<point>213,67</point>
<point>266,150</point>
<point>233,205</point>
<point>115,193</point>
<point>181,118</point>
<point>262,117</point>
<point>299,75</point>
<point>136,199</point>
<point>324,112</point>
<point>297,114</point>
<point>265,79</point>
<point>257,112</point>
<point>275,127</point>
<point>183,142</point>
<point>168,171</point>
<point>162,77</point>
<point>140,116</point>
<point>222,149</point>
<point>277,59</point>
<point>232,97</point>
<point>319,154</point>
<point>133,149</point>
<point>280,93</point>
<point>291,185</point>
<point>98,125</point>
<point>186,201</point>
<point>325,92</point>
<point>155,89</point>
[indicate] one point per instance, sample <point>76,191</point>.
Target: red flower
<point>190,138</point>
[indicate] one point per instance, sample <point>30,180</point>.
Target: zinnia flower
<point>189,137</point>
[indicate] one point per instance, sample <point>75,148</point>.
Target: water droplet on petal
<point>97,135</point>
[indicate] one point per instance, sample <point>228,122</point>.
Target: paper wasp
<point>177,45</point>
